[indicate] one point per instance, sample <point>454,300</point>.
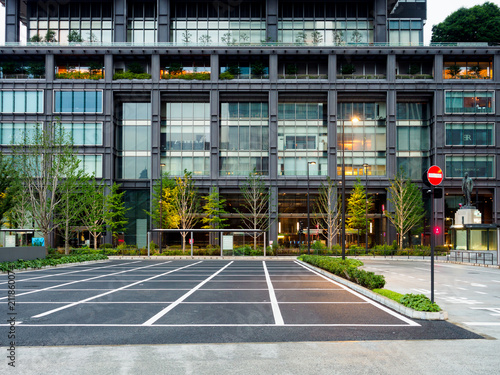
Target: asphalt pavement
<point>213,317</point>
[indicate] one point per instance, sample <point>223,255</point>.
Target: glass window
<point>21,101</point>
<point>472,134</point>
<point>78,101</point>
<point>469,102</point>
<point>477,166</point>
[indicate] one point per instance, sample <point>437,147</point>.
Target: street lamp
<point>308,214</point>
<point>354,119</point>
<point>365,169</point>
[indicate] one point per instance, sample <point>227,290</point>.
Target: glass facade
<point>185,138</point>
<point>478,166</point>
<point>244,138</point>
<point>413,138</point>
<point>325,23</point>
<point>93,21</point>
<point>218,23</point>
<point>469,101</point>
<point>91,165</point>
<point>141,22</point>
<point>302,138</point>
<point>14,134</point>
<point>78,101</point>
<point>134,141</point>
<point>468,68</point>
<point>84,134</point>
<point>364,126</point>
<point>406,32</point>
<point>21,101</point>
<point>470,134</point>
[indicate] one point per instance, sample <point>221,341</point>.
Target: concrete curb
<point>403,310</point>
<point>201,257</point>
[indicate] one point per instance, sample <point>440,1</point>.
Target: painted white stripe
<point>479,285</point>
<point>109,292</point>
<point>209,325</point>
<point>435,175</point>
<point>81,281</point>
<point>278,319</point>
<point>383,308</point>
<point>480,292</point>
<point>182,298</point>
<point>18,280</point>
<point>482,323</point>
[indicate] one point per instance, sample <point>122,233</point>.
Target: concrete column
<point>120,20</point>
<point>272,20</point>
<point>155,133</point>
<point>214,68</point>
<point>155,68</point>
<point>214,135</point>
<point>12,19</point>
<point>49,68</point>
<point>273,134</point>
<point>332,68</point>
<point>273,215</point>
<point>380,21</point>
<point>332,134</point>
<point>438,68</point>
<point>391,134</point>
<point>391,68</point>
<point>273,68</point>
<point>163,8</point>
<point>108,68</point>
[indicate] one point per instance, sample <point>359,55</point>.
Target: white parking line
<point>375,304</point>
<point>109,292</point>
<point>80,281</point>
<point>182,298</point>
<point>278,319</point>
<point>65,273</point>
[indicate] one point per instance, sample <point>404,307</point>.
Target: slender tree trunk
<point>46,240</point>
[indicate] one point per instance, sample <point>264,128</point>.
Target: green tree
<point>42,162</point>
<point>406,199</point>
<point>8,190</point>
<point>93,203</point>
<point>115,210</point>
<point>186,203</point>
<point>301,37</point>
<point>454,70</point>
<point>317,37</point>
<point>74,37</point>
<point>255,206</point>
<point>69,211</point>
<point>357,206</point>
<point>213,209</point>
<point>327,210</point>
<point>50,37</point>
<point>167,217</point>
<point>36,38</point>
<point>480,23</point>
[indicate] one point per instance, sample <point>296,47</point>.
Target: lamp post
<point>308,214</point>
<point>354,119</point>
<point>365,168</point>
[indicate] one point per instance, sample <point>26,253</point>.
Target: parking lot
<point>199,301</point>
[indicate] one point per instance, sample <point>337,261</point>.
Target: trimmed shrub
<point>419,302</point>
<point>53,261</point>
<point>347,269</point>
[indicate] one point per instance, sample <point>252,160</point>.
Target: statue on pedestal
<point>467,186</point>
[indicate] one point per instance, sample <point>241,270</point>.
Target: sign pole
<point>432,244</point>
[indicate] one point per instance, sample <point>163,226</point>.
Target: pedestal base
<point>467,215</point>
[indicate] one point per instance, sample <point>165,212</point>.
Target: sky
<point>437,11</point>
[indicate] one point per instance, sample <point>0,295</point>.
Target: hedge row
<point>347,269</point>
<point>39,263</point>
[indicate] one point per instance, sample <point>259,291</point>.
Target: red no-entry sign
<point>435,175</point>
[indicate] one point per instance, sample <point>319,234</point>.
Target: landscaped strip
<point>39,263</point>
<point>347,269</point>
<point>383,296</point>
